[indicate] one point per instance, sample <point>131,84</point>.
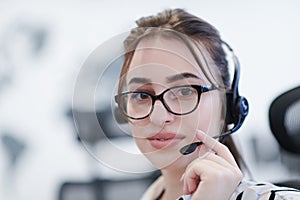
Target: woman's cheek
<point>200,119</point>
<point>136,130</point>
<point>209,113</point>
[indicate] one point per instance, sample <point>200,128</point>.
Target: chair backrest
<point>284,118</point>
<point>100,189</point>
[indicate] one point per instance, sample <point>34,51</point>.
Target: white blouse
<point>247,190</point>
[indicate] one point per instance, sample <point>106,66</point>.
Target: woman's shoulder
<point>251,190</point>
<point>247,190</point>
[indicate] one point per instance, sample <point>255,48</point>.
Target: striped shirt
<point>247,190</point>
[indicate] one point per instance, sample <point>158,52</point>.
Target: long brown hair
<point>193,27</point>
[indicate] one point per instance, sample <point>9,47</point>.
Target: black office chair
<point>284,116</point>
<point>284,119</point>
<point>100,189</point>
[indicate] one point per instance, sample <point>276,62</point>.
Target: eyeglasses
<point>178,100</point>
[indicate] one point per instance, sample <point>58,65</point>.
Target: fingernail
<point>201,134</point>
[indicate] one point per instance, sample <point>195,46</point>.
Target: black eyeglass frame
<point>200,89</point>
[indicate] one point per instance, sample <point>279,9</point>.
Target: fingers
<point>220,149</point>
<point>209,173</point>
<point>213,175</point>
<point>199,172</point>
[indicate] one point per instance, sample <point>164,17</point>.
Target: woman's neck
<point>173,184</point>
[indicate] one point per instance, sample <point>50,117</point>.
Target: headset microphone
<point>237,107</point>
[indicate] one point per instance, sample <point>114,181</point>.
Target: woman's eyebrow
<point>139,80</point>
<point>181,76</point>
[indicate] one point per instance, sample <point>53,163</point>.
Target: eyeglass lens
<point>178,100</point>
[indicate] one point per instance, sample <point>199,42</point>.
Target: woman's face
<point>157,65</point>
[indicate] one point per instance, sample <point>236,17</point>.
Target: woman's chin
<point>168,160</point>
<point>164,154</point>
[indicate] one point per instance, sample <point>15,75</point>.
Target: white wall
<point>264,35</point>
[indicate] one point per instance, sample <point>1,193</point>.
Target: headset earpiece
<point>243,106</point>
<point>237,110</point>
<point>237,106</point>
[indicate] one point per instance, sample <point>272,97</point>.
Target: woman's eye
<point>139,96</point>
<point>184,92</point>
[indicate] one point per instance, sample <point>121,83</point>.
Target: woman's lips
<point>162,140</point>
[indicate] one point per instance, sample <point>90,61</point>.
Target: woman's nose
<point>160,115</point>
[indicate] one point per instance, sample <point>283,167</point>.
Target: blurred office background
<point>43,46</point>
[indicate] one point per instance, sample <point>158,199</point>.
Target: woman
<point>172,91</point>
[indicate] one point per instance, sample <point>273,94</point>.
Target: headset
<point>237,106</point>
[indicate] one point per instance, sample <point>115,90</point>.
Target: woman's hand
<point>214,175</point>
